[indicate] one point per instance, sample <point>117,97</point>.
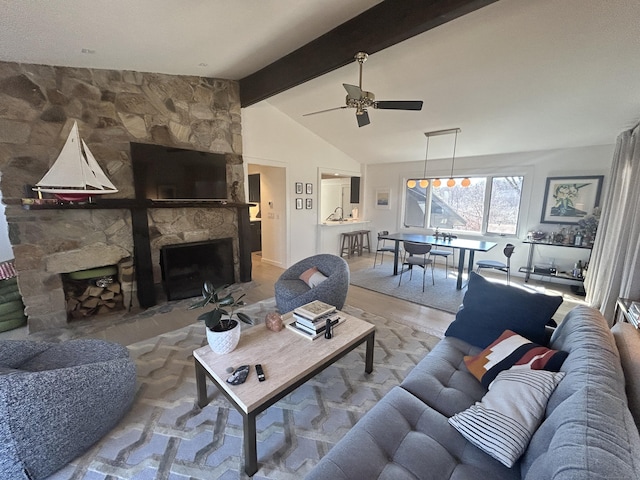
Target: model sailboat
<point>75,175</point>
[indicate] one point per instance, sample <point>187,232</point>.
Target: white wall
<point>271,138</point>
<point>536,166</point>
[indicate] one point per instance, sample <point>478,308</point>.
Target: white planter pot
<point>224,342</point>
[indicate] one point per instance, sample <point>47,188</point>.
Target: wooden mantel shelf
<point>128,203</point>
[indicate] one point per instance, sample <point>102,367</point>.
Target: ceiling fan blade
<point>352,91</point>
<point>399,105</point>
<point>323,111</point>
<point>363,119</point>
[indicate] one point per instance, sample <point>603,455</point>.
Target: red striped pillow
<point>509,350</point>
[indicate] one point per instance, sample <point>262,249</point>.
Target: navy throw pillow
<point>488,309</point>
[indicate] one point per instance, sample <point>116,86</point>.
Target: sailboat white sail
<point>75,171</point>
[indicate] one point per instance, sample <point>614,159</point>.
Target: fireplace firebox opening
<point>185,267</point>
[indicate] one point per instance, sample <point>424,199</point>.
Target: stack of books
<point>310,320</point>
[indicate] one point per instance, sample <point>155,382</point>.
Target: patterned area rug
<point>166,436</point>
<point>441,296</point>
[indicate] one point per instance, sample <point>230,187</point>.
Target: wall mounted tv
<point>168,173</point>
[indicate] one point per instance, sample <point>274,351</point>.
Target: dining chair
<point>382,247</point>
<point>438,252</point>
<point>497,265</point>
<point>417,254</point>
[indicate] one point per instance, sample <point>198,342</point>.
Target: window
<point>504,205</point>
<point>487,205</point>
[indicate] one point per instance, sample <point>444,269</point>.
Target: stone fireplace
<point>112,108</point>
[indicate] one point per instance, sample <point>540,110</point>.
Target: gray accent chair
<point>57,400</point>
<point>291,292</point>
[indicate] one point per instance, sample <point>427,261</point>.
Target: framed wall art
<point>569,199</point>
<point>309,203</point>
<point>299,188</point>
<point>383,198</point>
<point>298,204</point>
<point>309,188</point>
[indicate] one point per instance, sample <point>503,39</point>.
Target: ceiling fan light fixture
<point>361,99</point>
<point>411,183</point>
<point>465,182</point>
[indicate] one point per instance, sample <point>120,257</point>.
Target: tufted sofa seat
<point>443,381</point>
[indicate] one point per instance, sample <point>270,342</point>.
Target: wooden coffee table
<point>288,360</point>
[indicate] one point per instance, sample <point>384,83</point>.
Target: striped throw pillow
<point>506,418</point>
<point>512,350</point>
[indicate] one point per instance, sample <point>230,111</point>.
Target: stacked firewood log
<point>85,300</point>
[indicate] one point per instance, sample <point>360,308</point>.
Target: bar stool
<point>350,243</point>
<point>362,236</point>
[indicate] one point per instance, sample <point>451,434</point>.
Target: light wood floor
<point>261,288</point>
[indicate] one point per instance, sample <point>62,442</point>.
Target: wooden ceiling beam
<point>384,25</point>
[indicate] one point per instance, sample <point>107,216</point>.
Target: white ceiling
<point>517,75</point>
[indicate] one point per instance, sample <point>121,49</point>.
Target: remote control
<point>260,373</point>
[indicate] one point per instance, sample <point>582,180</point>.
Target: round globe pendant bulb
<point>411,183</point>
<point>437,182</point>
<point>424,183</point>
<point>451,182</point>
<point>465,182</point>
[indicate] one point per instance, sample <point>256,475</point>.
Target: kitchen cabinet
<point>255,229</point>
<point>254,187</point>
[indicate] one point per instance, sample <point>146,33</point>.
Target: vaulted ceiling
<point>514,75</point>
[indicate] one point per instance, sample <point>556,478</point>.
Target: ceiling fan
<point>361,99</point>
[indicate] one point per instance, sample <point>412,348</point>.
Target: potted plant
<point>223,332</point>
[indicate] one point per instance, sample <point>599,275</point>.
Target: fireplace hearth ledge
<point>91,256</point>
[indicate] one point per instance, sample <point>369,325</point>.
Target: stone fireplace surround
<point>112,108</point>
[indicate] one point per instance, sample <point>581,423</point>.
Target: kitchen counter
<point>343,223</point>
<point>330,233</point>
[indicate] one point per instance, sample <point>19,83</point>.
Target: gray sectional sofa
<point>586,432</point>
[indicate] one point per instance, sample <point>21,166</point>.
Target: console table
<point>528,270</point>
<point>622,307</point>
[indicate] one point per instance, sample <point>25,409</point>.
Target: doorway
<point>269,213</point>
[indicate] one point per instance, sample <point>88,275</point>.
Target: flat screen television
<point>168,173</point>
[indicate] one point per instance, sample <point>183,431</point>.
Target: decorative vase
<point>225,341</point>
<point>273,321</point>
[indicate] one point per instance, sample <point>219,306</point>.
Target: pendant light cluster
<point>424,181</point>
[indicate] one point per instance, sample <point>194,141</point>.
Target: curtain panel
<point>614,267</point>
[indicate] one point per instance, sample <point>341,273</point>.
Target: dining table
<point>461,244</point>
